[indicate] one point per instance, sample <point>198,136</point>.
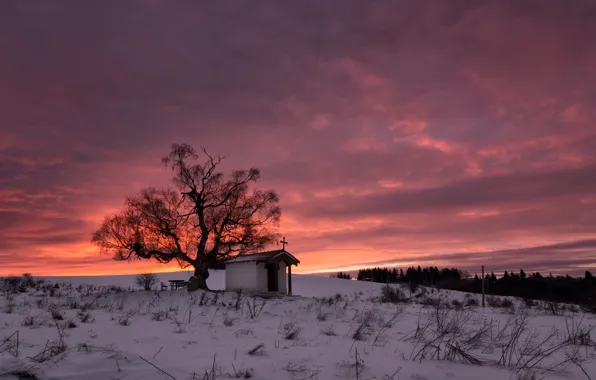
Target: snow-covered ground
<point>303,285</point>
<point>330,328</point>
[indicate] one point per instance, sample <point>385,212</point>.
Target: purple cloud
<point>388,128</point>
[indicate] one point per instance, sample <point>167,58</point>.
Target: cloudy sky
<point>452,133</point>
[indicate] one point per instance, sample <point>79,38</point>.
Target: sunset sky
<point>447,133</point>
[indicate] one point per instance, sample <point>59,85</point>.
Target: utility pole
<point>483,286</point>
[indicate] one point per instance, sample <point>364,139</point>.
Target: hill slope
<point>98,332</point>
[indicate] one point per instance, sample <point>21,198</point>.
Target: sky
<point>458,133</point>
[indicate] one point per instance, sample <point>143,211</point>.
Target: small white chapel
<point>263,272</point>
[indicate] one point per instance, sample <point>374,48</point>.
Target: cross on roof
<point>284,242</point>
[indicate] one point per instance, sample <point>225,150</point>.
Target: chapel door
<point>272,283</point>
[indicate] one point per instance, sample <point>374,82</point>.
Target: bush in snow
<point>392,294</point>
<point>498,302</point>
<point>471,301</point>
<point>146,280</point>
<point>27,280</point>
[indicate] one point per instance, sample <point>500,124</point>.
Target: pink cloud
<point>393,131</point>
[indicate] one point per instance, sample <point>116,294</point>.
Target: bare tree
<point>146,280</point>
<point>205,218</point>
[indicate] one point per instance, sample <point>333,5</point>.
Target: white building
<point>264,272</point>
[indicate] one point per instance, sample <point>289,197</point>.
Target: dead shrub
<point>227,321</point>
<point>299,370</point>
<point>29,321</point>
<point>180,327</point>
<point>552,307</point>
<point>254,309</point>
<point>9,308</point>
<point>295,368</point>
<point>125,317</point>
<point>23,374</point>
<point>56,314</point>
<point>573,308</point>
<point>578,334</point>
<point>27,280</point>
<point>471,302</point>
<point>527,350</point>
<point>243,332</point>
<point>215,298</point>
<point>413,287</point>
<point>430,301</point>
<point>50,350</point>
<point>109,351</point>
<point>353,369</point>
<point>116,289</point>
<point>85,317</point>
<point>259,349</point>
<point>379,338</point>
<point>364,329</point>
<point>72,303</point>
<point>498,302</point>
<point>55,349</point>
<point>291,331</point>
<point>238,300</point>
<point>321,316</point>
<point>329,331</point>
<point>243,373</point>
<point>10,285</point>
<point>10,344</point>
<point>204,299</point>
<point>173,308</point>
<point>527,375</point>
<point>160,315</point>
<point>530,303</point>
<point>391,294</point>
<point>444,335</point>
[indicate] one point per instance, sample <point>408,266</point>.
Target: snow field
<point>331,328</point>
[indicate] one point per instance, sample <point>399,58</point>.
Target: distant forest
<point>534,286</point>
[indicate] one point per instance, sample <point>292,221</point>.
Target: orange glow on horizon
<point>313,261</point>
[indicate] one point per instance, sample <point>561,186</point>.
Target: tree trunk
<point>199,279</point>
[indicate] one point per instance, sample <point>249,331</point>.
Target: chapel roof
<point>267,256</point>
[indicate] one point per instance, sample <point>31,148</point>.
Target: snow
<point>302,285</point>
<point>135,334</point>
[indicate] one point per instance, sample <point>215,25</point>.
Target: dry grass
<point>54,350</point>
<point>446,329</point>
<point>227,321</point>
<point>259,349</point>
<point>291,331</point>
<point>125,318</point>
<point>253,307</point>
<point>443,335</point>
<point>160,315</point>
<point>329,331</point>
<point>392,294</point>
<point>363,329</point>
<point>10,344</point>
<point>498,302</point>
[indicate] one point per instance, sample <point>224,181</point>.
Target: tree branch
<point>208,217</point>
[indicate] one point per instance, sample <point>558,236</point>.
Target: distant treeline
<point>345,276</point>
<point>578,290</point>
